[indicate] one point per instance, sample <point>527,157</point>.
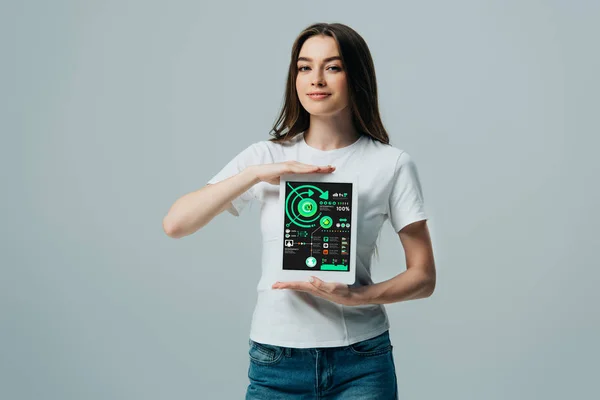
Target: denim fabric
<point>360,371</point>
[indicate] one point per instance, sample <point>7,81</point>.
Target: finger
<point>306,286</point>
<point>329,166</point>
<point>319,284</point>
<point>317,169</point>
<point>327,169</point>
<point>324,167</point>
<point>302,169</point>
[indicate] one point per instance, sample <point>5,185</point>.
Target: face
<point>320,71</point>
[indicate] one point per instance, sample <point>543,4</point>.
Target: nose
<point>318,79</point>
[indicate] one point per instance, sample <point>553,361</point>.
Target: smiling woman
<point>312,72</point>
<point>332,77</point>
<point>321,338</point>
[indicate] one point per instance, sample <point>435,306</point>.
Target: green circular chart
<point>326,222</point>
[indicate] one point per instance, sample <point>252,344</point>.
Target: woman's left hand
<point>337,292</point>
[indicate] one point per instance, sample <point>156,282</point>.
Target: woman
<point>324,339</point>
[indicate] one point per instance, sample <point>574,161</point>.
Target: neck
<point>331,132</point>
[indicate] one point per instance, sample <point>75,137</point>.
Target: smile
<point>318,96</point>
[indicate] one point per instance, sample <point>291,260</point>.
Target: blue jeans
<point>360,371</point>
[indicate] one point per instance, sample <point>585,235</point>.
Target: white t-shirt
<point>388,189</point>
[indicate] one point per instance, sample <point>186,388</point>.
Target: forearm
<point>194,210</point>
<point>409,285</point>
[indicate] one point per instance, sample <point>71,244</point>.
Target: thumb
<point>316,282</point>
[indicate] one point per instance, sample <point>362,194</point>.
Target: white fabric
<point>388,189</point>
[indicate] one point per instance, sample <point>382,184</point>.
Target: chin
<point>329,111</point>
<point>322,108</point>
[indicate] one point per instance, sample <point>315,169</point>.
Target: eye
<point>333,66</point>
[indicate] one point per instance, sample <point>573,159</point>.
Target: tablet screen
<point>317,226</point>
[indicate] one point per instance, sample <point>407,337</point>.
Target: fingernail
<point>311,279</point>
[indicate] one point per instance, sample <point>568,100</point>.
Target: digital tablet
<point>318,229</point>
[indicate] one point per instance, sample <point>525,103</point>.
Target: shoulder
<point>278,150</point>
<point>267,149</point>
<point>261,150</point>
<point>387,153</point>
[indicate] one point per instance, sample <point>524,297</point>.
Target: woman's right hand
<point>270,173</point>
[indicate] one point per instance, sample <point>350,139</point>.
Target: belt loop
<point>288,352</point>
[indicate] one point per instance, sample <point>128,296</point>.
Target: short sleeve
<point>406,203</point>
<point>251,155</point>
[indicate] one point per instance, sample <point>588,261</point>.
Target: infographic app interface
<point>317,226</point>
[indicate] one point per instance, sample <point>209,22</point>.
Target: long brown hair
<point>362,85</point>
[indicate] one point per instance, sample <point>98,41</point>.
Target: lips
<point>319,95</point>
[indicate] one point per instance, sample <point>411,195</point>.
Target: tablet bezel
<point>347,277</point>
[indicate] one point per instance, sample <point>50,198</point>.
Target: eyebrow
<point>324,60</point>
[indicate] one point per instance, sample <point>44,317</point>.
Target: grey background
<point>111,110</point>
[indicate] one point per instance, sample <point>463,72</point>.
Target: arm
<point>418,281</point>
<point>196,209</point>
